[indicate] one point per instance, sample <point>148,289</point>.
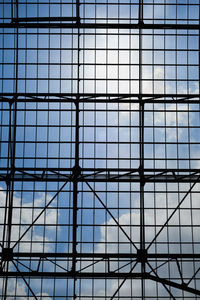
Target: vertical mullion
<point>95,106</point>
<point>76,166</point>
<point>118,129</point>
<point>106,148</point>
<point>12,144</point>
<point>141,141</point>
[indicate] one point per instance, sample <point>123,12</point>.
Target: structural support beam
<point>52,24</point>
<point>102,175</point>
<point>100,97</point>
<point>149,256</point>
<point>173,284</point>
<point>97,275</point>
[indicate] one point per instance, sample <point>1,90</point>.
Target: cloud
<point>17,289</point>
<point>153,216</point>
<point>179,237</point>
<point>23,216</point>
<point>108,231</point>
<point>33,241</point>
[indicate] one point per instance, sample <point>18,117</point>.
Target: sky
<point>113,74</point>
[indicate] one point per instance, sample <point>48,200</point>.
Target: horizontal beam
<point>44,19</point>
<point>115,256</point>
<point>100,175</point>
<point>23,23</point>
<point>99,97</point>
<point>98,275</point>
<point>70,274</point>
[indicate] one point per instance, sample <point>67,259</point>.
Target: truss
<point>112,224</point>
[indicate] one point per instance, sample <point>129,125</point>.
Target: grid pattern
<point>100,149</point>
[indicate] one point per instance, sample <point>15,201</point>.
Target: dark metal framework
<point>100,148</point>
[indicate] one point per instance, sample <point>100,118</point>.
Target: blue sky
<point>121,50</point>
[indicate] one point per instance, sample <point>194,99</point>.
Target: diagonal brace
<point>161,229</point>
<point>34,296</point>
<point>168,290</point>
<point>123,281</point>
<point>133,244</point>
<point>42,211</point>
<point>179,286</point>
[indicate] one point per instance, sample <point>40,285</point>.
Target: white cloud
<point>14,288</point>
<point>34,241</point>
<point>110,234</point>
<point>23,216</point>
<point>18,288</point>
<point>45,295</point>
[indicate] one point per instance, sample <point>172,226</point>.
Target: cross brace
<point>101,175</point>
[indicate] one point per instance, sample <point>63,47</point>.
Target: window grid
<point>99,149</point>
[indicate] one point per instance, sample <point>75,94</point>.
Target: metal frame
<point>143,264</point>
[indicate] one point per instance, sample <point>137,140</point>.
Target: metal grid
<point>100,149</point>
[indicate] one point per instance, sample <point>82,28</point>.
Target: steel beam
<point>169,176</point>
<point>98,275</point>
<point>99,97</point>
<point>89,255</point>
<point>28,23</point>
